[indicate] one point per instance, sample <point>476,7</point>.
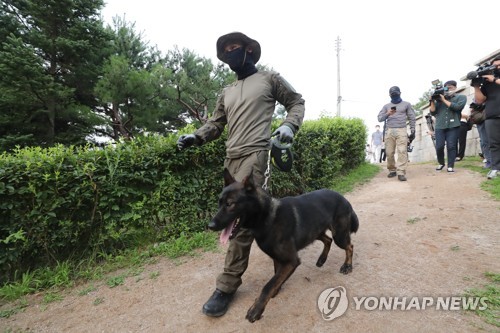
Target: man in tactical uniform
<point>246,107</point>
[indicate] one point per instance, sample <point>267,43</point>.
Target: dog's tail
<point>354,222</point>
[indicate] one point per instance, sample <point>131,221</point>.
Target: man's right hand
<point>476,82</point>
<point>411,137</point>
<point>186,140</point>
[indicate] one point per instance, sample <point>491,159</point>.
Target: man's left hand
<point>284,133</point>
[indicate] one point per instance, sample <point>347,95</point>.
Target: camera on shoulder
<point>476,76</point>
<point>438,89</point>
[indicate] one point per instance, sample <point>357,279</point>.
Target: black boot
<point>217,304</point>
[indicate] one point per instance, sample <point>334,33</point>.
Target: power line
<point>339,97</point>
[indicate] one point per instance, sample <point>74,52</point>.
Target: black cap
<point>394,91</point>
<point>451,83</point>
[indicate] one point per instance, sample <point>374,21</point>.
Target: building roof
<point>487,58</point>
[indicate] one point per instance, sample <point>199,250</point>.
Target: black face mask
<point>396,98</point>
<point>240,62</point>
<point>235,58</point>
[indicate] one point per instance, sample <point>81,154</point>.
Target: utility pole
<point>339,98</point>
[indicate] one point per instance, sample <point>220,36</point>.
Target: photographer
<point>396,114</point>
<point>488,92</point>
<point>447,108</point>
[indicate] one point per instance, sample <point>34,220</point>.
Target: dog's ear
<point>228,179</point>
<point>249,183</point>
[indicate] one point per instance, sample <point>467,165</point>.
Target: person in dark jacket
<point>487,91</point>
<point>246,107</point>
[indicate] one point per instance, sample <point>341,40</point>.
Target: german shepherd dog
<point>284,226</point>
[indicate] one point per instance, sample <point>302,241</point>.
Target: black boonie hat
<point>238,37</point>
<point>281,155</point>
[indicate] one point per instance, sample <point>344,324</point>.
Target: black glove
<point>187,140</point>
<point>284,133</point>
<point>411,137</point>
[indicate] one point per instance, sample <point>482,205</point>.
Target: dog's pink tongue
<point>226,233</point>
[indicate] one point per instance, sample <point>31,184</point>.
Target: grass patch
<point>184,245</point>
<point>116,281</point>
<point>12,311</point>
<point>65,274</point>
<point>87,290</point>
<point>27,284</point>
<point>98,300</point>
<point>491,186</point>
<point>361,175</point>
<point>51,297</point>
<point>19,307</point>
<point>413,220</point>
<point>491,292</point>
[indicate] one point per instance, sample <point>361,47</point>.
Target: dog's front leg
<point>347,266</point>
<point>276,267</point>
<point>270,289</point>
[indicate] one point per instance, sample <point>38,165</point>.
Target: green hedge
<point>75,202</point>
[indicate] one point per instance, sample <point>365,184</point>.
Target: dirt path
<point>434,235</point>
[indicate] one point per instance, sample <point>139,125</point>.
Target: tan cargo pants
<point>396,141</point>
<point>239,247</point>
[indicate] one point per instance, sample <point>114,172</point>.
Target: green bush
<point>323,150</point>
<point>66,203</point>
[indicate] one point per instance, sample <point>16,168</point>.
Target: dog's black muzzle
<point>212,225</point>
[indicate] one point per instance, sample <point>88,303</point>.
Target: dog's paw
<point>254,313</point>
<point>346,268</point>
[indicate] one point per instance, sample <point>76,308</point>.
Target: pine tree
<point>51,53</point>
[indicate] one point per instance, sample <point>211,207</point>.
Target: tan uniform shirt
<point>247,108</point>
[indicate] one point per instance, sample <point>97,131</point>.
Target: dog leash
<point>267,174</point>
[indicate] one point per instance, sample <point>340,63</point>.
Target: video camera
<point>438,89</point>
<point>476,76</point>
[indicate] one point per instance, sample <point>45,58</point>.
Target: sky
<point>382,43</point>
